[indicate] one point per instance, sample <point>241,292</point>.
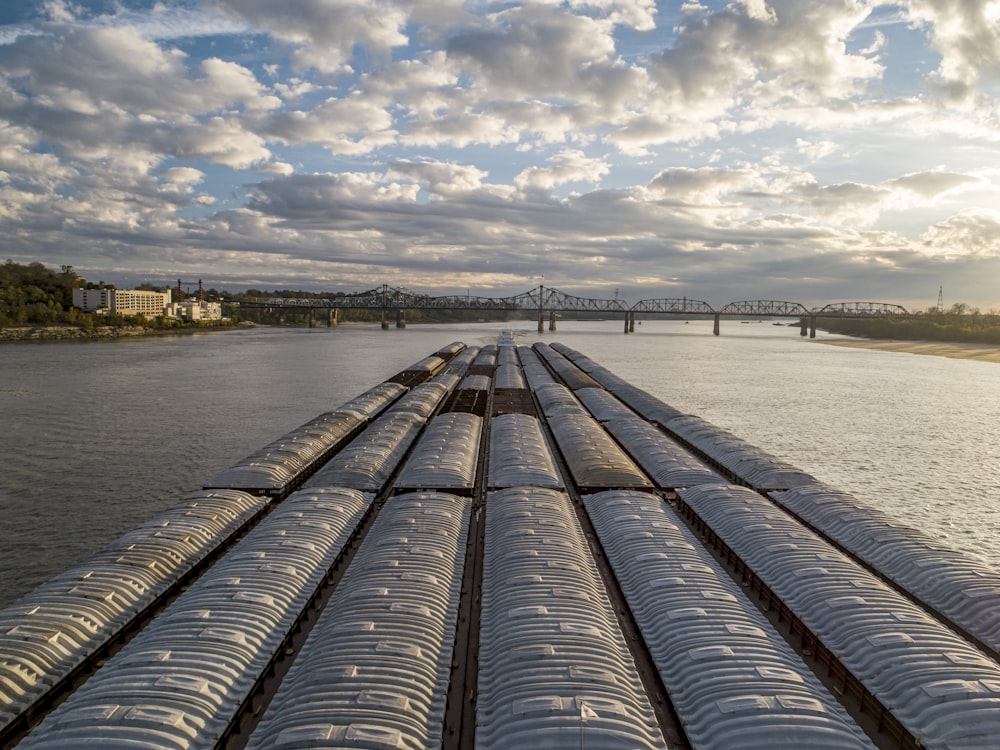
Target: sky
<point>811,151</point>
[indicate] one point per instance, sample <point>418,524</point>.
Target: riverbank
<point>979,352</point>
<point>97,333</point>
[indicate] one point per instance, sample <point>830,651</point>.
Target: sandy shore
<point>981,352</point>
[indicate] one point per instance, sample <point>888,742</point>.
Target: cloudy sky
<point>803,150</point>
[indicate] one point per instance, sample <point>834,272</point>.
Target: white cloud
<point>704,186</point>
<point>578,61</point>
<point>439,178</point>
<point>220,140</point>
<point>934,183</point>
<point>185,176</point>
<point>752,61</point>
<point>967,36</point>
<point>322,34</point>
<point>570,165</point>
<point>350,141</point>
<point>973,232</point>
<point>352,125</point>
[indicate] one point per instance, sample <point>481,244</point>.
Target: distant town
<point>39,303</point>
<point>132,302</point>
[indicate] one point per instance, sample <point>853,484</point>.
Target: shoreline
<point>953,350</point>
<point>49,333</point>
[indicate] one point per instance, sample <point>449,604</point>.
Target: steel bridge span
<point>395,301</point>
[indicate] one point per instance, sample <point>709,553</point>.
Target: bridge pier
<point>331,320</point>
<point>812,327</point>
<point>715,328</point>
<point>312,318</point>
<point>552,320</point>
<point>803,326</point>
<point>385,322</point>
<point>400,319</point>
<point>631,322</point>
<point>626,323</point>
<point>541,321</point>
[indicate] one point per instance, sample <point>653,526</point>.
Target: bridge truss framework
<point>553,301</point>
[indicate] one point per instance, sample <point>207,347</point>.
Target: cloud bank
<point>813,150</point>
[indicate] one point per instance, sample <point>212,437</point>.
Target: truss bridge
<point>395,301</point>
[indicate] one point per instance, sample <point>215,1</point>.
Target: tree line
<point>35,295</point>
<point>961,323</point>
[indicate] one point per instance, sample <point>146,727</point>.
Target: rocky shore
<point>71,333</point>
<point>97,333</point>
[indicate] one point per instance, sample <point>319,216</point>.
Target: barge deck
<point>505,546</point>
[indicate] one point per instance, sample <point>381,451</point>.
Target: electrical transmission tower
<point>940,299</point>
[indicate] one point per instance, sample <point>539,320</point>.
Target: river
<point>96,437</point>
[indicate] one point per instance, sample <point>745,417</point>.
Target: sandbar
<point>980,352</point>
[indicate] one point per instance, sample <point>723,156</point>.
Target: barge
<point>505,546</point>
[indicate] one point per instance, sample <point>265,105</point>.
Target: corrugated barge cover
<point>446,456</point>
<point>452,349</point>
<point>447,378</point>
<point>272,472</point>
<point>535,371</point>
<point>430,364</point>
<point>602,404</point>
<point>572,375</point>
<point>941,689</point>
<point>519,454</point>
<point>594,459</point>
<point>461,363</point>
<point>669,465</point>
<point>962,589</point>
<point>507,355</point>
<point>751,464</point>
<point>510,376</point>
<point>643,403</point>
<point>475,383</point>
<point>487,357</point>
<point>733,680</point>
<point>372,402</point>
<point>557,400</point>
<point>423,399</point>
<point>182,679</point>
<point>49,631</point>
<point>554,670</point>
<point>375,669</point>
<point>369,460</point>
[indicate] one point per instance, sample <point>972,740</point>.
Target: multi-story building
<point>193,309</point>
<point>122,301</point>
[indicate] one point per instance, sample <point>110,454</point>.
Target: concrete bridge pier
<point>385,322</point>
<point>331,320</point>
<point>812,327</point>
<point>400,319</point>
<point>312,318</point>
<point>803,326</point>
<point>627,315</point>
<point>631,322</point>
<point>552,320</point>
<point>541,321</point>
<point>715,328</point>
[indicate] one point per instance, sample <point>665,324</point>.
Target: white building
<point>192,309</point>
<point>122,301</point>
